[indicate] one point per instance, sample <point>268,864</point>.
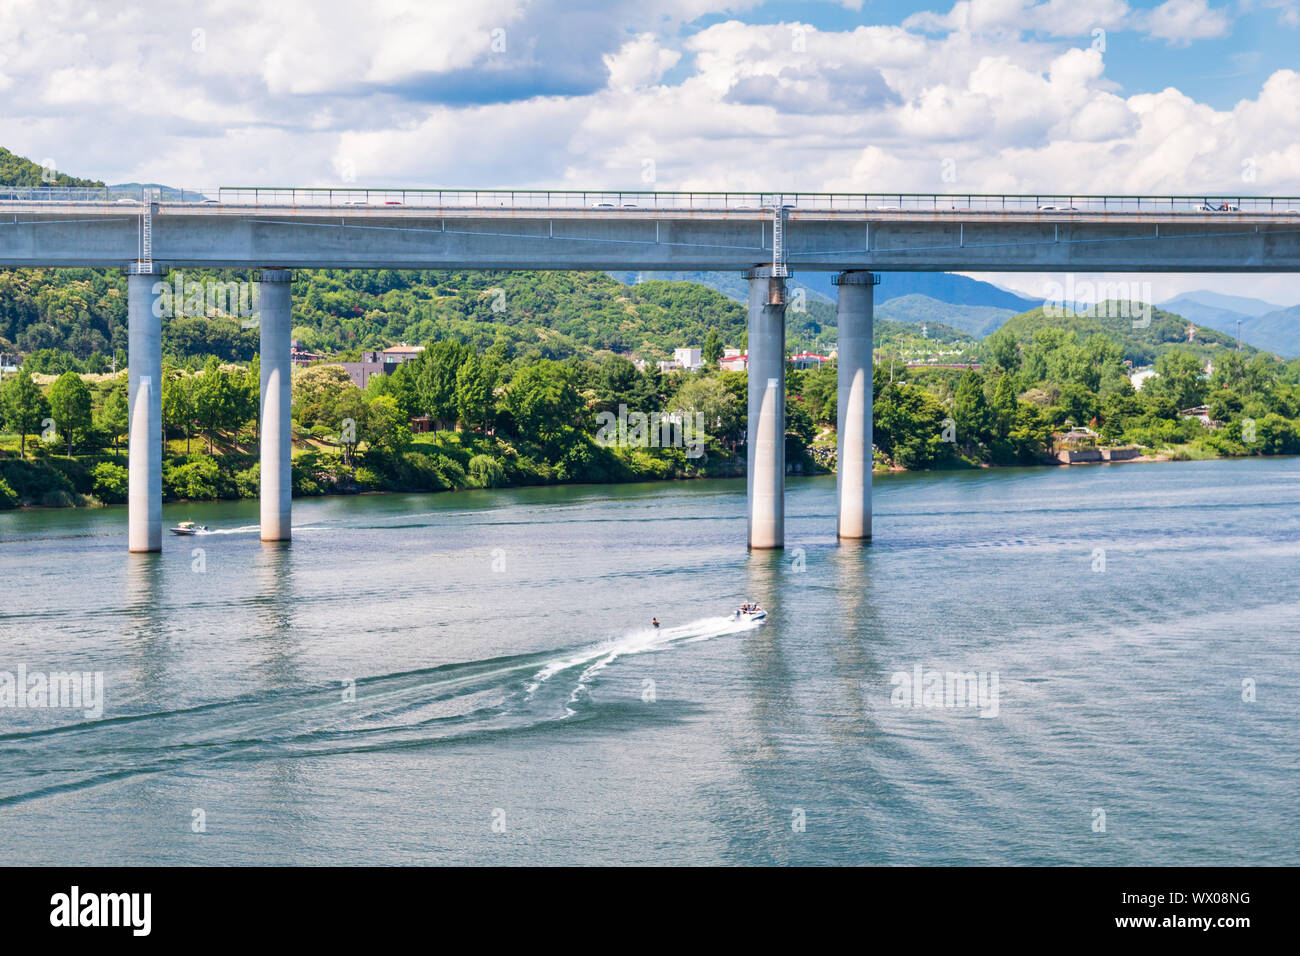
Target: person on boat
<point>655,621</point>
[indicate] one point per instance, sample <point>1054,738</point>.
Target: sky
<point>1079,96</point>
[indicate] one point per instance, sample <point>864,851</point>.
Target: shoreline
<point>891,470</point>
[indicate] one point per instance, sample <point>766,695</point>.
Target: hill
<point>1141,345</point>
<point>974,320</point>
<point>20,171</point>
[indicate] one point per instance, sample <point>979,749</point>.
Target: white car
<point>1217,207</point>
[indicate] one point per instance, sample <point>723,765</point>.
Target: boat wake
<point>453,702</point>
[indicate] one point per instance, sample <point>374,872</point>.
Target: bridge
<point>768,236</point>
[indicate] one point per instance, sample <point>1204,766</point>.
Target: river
<point>471,678</point>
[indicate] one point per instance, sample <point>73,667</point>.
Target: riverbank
<point>52,481</point>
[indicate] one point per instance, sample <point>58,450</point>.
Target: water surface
<point>470,678</point>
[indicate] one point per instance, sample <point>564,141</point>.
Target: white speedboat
<point>749,612</point>
<point>189,527</point>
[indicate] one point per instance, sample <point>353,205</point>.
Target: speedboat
<point>749,612</point>
<point>188,527</point>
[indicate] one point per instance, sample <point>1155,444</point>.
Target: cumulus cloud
<point>1182,21</point>
<point>984,97</point>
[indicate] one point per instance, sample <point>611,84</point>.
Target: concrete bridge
<point>766,235</point>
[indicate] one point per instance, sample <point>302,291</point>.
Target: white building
<point>689,359</point>
<point>1139,377</point>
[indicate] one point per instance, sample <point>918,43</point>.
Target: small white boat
<point>749,612</point>
<point>188,527</point>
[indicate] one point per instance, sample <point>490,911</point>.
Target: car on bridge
<point>1217,207</point>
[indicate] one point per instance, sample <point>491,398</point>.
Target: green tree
<point>214,400</point>
<point>712,351</point>
<point>386,424</point>
<point>475,381</point>
<point>113,415</point>
<point>70,408</point>
<point>353,411</point>
<point>544,404</point>
<point>178,405</point>
<point>24,407</point>
<point>1181,379</point>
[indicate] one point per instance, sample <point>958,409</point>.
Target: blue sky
<point>1074,96</point>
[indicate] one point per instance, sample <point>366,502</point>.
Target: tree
<point>316,391</point>
<point>712,348</point>
<point>437,368</point>
<point>70,407</point>
<point>474,384</point>
<point>386,424</point>
<point>1004,406</point>
<point>970,410</point>
<point>214,400</point>
<point>544,404</point>
<point>353,411</point>
<point>821,393</point>
<point>178,405</point>
<point>708,395</point>
<point>23,407</point>
<point>113,417</point>
<point>1180,378</point>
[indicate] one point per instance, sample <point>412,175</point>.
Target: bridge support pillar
<point>855,307</point>
<point>277,438</point>
<point>765,437</point>
<point>144,407</point>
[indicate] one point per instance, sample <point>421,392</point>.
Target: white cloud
<point>279,92</point>
<point>1182,21</point>
<point>640,62</point>
<point>1288,11</point>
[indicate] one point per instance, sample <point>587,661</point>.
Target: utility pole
<point>1239,335</point>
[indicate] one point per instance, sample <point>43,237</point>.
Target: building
<point>1202,414</point>
<point>733,360</point>
<point>808,360</point>
<point>689,359</point>
<point>299,356</point>
<point>380,363</point>
<point>1139,377</point>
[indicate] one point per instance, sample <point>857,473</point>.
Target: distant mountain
<point>975,320</point>
<point>929,296</point>
<point>1263,325</point>
<point>943,286</point>
<point>1277,331</point>
<point>1188,302</point>
<point>730,284</point>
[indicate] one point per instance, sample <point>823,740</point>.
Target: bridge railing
<point>631,200</point>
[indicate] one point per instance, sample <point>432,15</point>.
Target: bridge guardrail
<point>629,200</point>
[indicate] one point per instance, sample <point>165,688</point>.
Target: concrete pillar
<point>144,404</point>
<point>765,437</point>
<point>853,432</point>
<point>277,445</point>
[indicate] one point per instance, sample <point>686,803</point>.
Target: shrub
<point>110,483</point>
<point>197,477</point>
<point>486,472</point>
